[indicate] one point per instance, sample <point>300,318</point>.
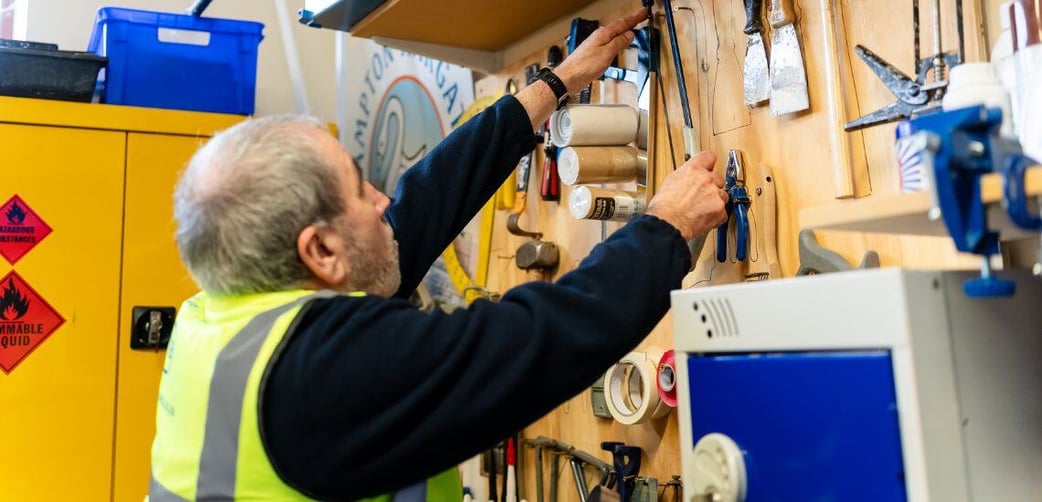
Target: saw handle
<point>753,14</point>
<point>781,13</point>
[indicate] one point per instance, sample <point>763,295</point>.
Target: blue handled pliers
<point>737,206</point>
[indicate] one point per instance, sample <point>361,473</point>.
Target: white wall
<point>69,22</point>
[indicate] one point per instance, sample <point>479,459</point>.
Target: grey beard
<point>374,273</point>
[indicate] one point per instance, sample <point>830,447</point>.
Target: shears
<point>737,207</point>
<point>913,96</point>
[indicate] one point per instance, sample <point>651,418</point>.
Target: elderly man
<point>300,371</point>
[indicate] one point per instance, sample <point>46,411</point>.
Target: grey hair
<point>244,198</point>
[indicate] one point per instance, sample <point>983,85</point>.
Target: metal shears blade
<point>912,95</point>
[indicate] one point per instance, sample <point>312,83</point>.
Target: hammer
<point>536,253</point>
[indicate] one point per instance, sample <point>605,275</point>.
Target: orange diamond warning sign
<point>20,229</point>
<point>26,320</point>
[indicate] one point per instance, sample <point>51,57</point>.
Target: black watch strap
<point>556,84</point>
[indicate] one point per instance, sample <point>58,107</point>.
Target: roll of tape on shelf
<point>600,164</point>
<point>592,203</point>
<point>594,125</point>
<point>667,379</point>
<point>629,388</point>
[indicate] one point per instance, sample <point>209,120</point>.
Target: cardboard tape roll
<point>593,203</point>
<point>594,125</point>
<point>667,379</point>
<point>630,388</point>
<point>600,164</point>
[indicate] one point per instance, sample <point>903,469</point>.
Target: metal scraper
<point>757,79</point>
<point>788,75</point>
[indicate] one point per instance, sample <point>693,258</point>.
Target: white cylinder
<point>600,164</point>
<point>593,203</point>
<point>972,84</point>
<point>594,125</point>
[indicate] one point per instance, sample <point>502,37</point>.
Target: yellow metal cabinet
<point>152,276</point>
<point>56,405</point>
<point>78,412</point>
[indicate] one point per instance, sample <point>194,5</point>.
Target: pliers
<point>913,96</point>
<point>738,206</point>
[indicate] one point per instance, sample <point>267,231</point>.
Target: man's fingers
<point>705,159</point>
<point>626,23</point>
<point>621,42</point>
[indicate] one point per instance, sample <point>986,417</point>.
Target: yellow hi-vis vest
<point>208,444</point>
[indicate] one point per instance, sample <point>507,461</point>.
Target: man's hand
<point>581,67</point>
<point>692,198</point>
<point>593,56</point>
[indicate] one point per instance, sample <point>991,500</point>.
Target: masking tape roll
<point>629,388</point>
<point>600,164</point>
<point>667,379</point>
<point>594,125</point>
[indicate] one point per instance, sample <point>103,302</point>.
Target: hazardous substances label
<point>21,229</point>
<point>26,320</point>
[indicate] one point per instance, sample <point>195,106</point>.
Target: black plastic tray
<point>35,70</point>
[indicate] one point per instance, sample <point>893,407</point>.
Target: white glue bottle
<point>972,84</point>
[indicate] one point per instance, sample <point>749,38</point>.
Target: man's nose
<point>379,200</point>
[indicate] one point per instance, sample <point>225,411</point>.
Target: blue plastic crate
<point>177,61</point>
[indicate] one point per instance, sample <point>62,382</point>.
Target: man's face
<point>369,246</point>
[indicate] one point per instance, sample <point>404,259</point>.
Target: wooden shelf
<point>907,214</point>
<point>479,34</point>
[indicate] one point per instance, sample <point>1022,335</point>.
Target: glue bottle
<point>972,84</point>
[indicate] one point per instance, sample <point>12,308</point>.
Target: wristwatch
<point>556,84</point>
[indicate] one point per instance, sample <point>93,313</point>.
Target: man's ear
<point>322,251</point>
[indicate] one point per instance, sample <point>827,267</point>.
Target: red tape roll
<point>667,379</point>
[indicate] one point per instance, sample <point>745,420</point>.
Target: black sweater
<point>370,395</point>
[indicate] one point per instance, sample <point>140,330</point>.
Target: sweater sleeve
<point>439,195</point>
<point>371,395</point>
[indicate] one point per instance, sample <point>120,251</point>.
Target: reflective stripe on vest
<point>224,411</point>
<point>219,459</point>
<point>158,493</point>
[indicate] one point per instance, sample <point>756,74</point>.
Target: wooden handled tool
<point>842,144</point>
<point>764,265</point>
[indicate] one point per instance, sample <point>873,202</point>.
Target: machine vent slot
<point>717,317</point>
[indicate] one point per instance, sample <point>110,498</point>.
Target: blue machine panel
<point>819,426</point>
